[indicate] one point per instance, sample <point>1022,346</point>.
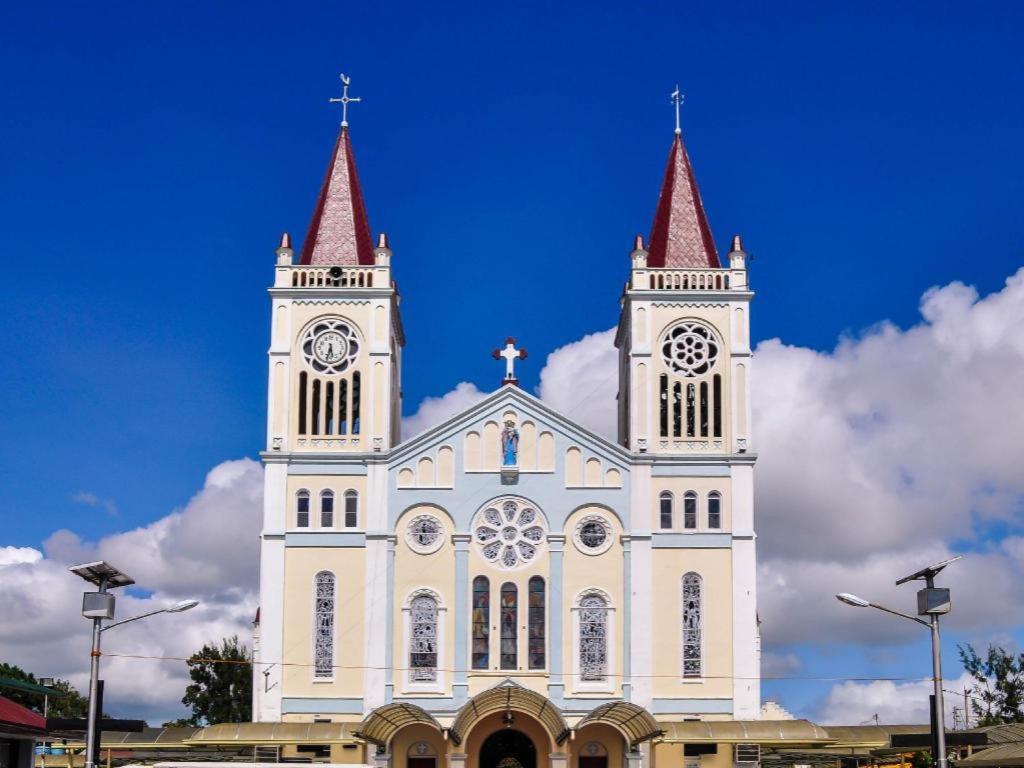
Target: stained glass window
<point>509,619</point>
<point>665,504</point>
<point>692,625</point>
<point>302,509</point>
<point>423,641</point>
<point>593,638</point>
<point>714,510</point>
<point>323,625</point>
<point>509,534</point>
<point>690,510</point>
<point>327,509</point>
<point>535,617</point>
<point>481,622</point>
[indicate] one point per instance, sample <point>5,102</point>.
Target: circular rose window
<point>330,346</point>
<point>508,533</point>
<point>690,349</point>
<point>424,534</point>
<point>593,535</point>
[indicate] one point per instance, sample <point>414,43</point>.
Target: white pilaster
<point>272,576</point>
<point>641,587</point>
<point>376,600</point>
<point>745,640</point>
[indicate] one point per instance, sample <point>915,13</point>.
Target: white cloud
<point>207,550</point>
<point>90,499</point>
<point>894,703</point>
<point>434,410</point>
<point>580,380</point>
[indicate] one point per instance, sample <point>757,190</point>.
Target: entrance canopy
<point>632,721</point>
<point>514,698</point>
<point>384,722</point>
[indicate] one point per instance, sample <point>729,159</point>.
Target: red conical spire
<point>680,236</point>
<point>339,232</point>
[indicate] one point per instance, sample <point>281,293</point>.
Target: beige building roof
<point>743,731</point>
<point>279,733</point>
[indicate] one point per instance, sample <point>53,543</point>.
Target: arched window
<point>509,613</point>
<point>535,622</point>
<point>481,622</point>
<point>665,508</point>
<point>327,509</point>
<point>690,510</point>
<point>423,640</point>
<point>302,509</point>
<point>351,509</point>
<point>593,640</point>
<point>714,510</point>
<point>693,620</point>
<point>323,625</point>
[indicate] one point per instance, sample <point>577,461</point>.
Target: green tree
<point>67,702</point>
<point>999,684</point>
<point>221,687</point>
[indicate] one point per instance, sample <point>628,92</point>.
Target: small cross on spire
<point>511,354</point>
<point>677,99</point>
<point>345,100</point>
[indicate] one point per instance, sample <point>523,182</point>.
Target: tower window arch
<point>693,623</point>
<point>351,509</point>
<point>481,620</point>
<point>423,643</point>
<point>327,509</point>
<point>323,625</point>
<point>536,627</point>
<point>665,510</point>
<point>302,509</point>
<point>593,637</point>
<point>714,510</point>
<point>690,510</point>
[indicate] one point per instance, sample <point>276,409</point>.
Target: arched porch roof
<point>631,720</point>
<point>512,697</point>
<point>384,722</point>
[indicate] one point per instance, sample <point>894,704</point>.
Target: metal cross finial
<point>345,100</point>
<point>511,354</point>
<point>677,99</point>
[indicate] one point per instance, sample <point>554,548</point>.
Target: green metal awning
<point>384,722</point>
<point>631,720</point>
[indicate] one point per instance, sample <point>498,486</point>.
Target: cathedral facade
<point>509,589</point>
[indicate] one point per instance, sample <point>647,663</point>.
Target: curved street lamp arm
<point>922,622</point>
<point>134,618</point>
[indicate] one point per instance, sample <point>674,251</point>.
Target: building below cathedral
<point>509,589</point>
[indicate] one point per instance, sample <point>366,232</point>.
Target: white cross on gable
<point>510,354</point>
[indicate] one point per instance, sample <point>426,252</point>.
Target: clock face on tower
<point>330,346</point>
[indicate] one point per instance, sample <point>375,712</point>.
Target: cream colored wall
<point>669,754</point>
<point>605,572</point>
<point>715,569</point>
<point>484,727</point>
<point>606,736</point>
<point>702,486</point>
<point>301,566</point>
<point>435,571</point>
<point>411,734</point>
<point>316,484</point>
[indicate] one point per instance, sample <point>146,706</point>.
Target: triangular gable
<point>527,406</point>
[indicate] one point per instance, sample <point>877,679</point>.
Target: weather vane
<point>677,99</point>
<point>345,100</point>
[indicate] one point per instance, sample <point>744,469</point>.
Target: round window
<point>330,346</point>
<point>690,349</point>
<point>424,534</point>
<point>593,535</point>
<point>508,533</point>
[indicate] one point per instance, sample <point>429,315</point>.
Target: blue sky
<point>152,154</point>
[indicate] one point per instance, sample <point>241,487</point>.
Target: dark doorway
<point>508,748</point>
<point>594,762</point>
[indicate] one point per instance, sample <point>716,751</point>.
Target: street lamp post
<point>932,601</point>
<point>98,606</point>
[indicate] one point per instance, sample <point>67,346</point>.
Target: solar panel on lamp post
<point>932,601</point>
<point>98,606</point>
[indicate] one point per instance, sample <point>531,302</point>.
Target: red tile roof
<point>339,232</point>
<point>12,714</point>
<point>680,236</point>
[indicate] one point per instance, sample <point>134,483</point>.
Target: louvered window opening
<point>329,406</point>
<point>690,409</point>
